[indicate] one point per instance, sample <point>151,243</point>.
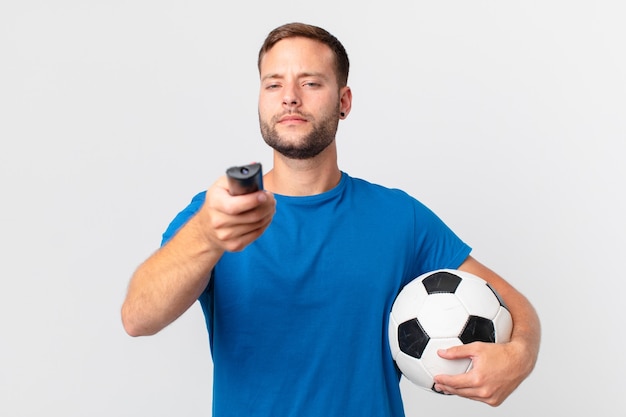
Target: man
<point>297,294</point>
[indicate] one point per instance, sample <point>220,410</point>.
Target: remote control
<point>245,179</point>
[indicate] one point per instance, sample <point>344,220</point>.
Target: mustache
<point>278,117</point>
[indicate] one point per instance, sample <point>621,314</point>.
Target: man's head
<point>292,30</point>
<point>303,71</point>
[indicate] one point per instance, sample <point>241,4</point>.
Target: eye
<point>312,84</point>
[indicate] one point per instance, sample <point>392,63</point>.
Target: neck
<point>304,177</point>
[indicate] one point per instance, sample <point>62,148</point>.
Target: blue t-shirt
<point>298,320</point>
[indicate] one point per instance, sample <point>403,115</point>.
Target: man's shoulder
<point>366,186</point>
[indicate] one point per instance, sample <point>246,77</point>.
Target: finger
<point>243,203</point>
<point>454,352</point>
<point>448,386</point>
<point>223,201</point>
<point>461,392</point>
<point>455,382</point>
<point>229,226</point>
<point>472,393</point>
<point>465,385</point>
<point>242,235</point>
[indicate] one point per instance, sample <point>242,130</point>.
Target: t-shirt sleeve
<point>437,246</point>
<point>183,217</point>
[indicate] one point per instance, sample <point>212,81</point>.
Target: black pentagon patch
<point>478,329</point>
<point>412,339</point>
<point>441,282</point>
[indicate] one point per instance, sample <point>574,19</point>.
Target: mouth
<point>291,118</point>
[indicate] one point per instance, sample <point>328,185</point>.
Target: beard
<point>305,147</point>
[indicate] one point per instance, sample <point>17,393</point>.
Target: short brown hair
<point>293,30</point>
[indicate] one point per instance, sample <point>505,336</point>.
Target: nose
<point>291,97</point>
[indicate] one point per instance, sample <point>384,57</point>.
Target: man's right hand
<point>233,222</point>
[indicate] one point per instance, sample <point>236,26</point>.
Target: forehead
<point>297,54</point>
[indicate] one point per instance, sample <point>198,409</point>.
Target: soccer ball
<point>440,309</point>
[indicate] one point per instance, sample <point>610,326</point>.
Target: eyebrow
<point>276,76</point>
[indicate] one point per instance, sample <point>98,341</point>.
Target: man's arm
<point>497,368</point>
<point>171,280</point>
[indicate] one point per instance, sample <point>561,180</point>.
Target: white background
<point>506,118</point>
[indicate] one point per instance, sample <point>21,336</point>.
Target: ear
<point>345,102</point>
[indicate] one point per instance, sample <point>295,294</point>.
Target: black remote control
<point>245,179</point>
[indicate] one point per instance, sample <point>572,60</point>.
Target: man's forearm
<point>168,282</point>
